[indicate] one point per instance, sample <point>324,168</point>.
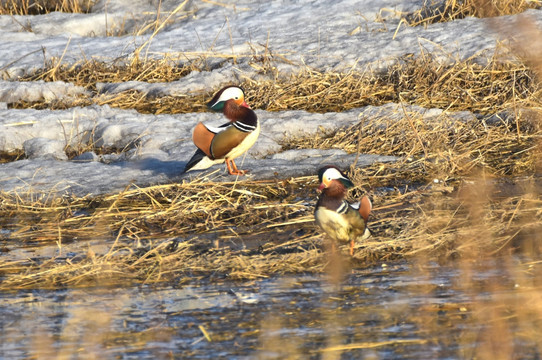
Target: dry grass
<point>247,230</point>
<point>166,226</point>
<point>205,228</point>
<point>9,156</point>
<point>36,7</point>
<point>201,227</point>
<point>426,81</point>
<point>431,12</point>
<point>442,147</point>
<point>449,10</point>
<point>90,72</point>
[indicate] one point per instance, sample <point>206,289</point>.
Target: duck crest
<point>215,98</point>
<point>217,105</point>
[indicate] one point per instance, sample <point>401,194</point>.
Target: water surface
<point>389,311</point>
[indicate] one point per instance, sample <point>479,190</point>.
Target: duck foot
<point>232,168</point>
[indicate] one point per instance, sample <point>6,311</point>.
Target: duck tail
<point>194,160</point>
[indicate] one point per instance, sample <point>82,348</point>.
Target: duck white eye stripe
<point>343,208</point>
<point>333,174</point>
<point>244,127</point>
<point>231,93</point>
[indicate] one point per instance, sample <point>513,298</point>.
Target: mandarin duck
<point>227,142</point>
<point>342,221</point>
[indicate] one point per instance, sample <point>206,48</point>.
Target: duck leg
<point>232,168</point>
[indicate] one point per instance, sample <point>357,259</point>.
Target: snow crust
<point>319,34</point>
<point>11,92</point>
<point>157,147</point>
<point>295,36</point>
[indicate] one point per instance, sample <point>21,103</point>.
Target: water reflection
<point>396,311</point>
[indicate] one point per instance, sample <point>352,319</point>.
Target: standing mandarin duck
<point>229,141</point>
<point>339,219</point>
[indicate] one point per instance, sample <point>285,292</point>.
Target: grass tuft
<point>457,191</point>
<point>450,10</point>
<point>37,7</point>
<point>427,81</point>
<point>247,230</point>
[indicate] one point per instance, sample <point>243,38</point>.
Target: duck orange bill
<point>322,186</point>
<point>202,138</point>
<point>245,104</point>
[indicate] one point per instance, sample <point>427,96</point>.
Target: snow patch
<point>11,92</point>
<point>36,148</point>
<point>233,41</point>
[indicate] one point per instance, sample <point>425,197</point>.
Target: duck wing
<point>358,215</point>
<point>226,140</point>
<point>203,136</point>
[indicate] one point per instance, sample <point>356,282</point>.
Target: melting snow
<point>309,34</point>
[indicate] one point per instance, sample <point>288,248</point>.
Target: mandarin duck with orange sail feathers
<point>341,220</point>
<point>227,142</point>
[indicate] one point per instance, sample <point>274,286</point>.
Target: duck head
<point>332,180</point>
<point>229,94</point>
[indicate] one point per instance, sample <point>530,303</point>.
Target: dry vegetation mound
<point>464,188</point>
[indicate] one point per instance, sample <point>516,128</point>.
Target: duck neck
<point>332,197</point>
<point>336,190</point>
<point>243,114</point>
